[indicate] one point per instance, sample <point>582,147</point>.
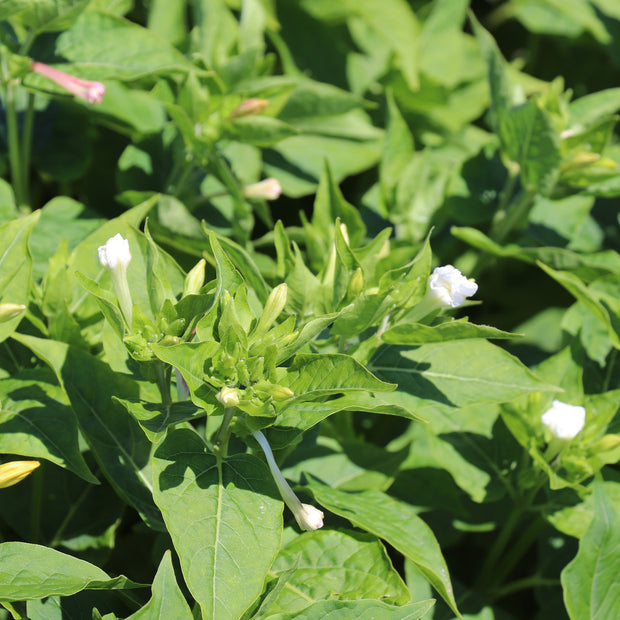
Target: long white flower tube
<point>115,257</point>
<point>308,517</point>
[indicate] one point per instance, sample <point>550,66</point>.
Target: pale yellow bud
<point>195,278</point>
<point>9,311</point>
<point>273,308</point>
<point>229,397</point>
<point>15,471</point>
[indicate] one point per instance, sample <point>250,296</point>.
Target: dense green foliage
<point>152,377</point>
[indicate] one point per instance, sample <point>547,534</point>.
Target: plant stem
<point>518,550</point>
<point>163,383</point>
<point>508,218</point>
<point>14,613</point>
<point>220,441</point>
<point>26,147</point>
<point>35,504</point>
<point>12,129</point>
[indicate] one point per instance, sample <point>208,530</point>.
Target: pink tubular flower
<point>92,92</point>
<point>249,107</point>
<point>268,189</point>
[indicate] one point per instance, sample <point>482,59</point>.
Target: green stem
<point>507,219</point>
<point>497,548</point>
<point>35,504</point>
<point>524,584</point>
<point>26,146</point>
<point>220,441</point>
<point>242,218</point>
<point>517,551</point>
<point>12,129</point>
<point>163,382</point>
<point>14,613</point>
<point>489,567</point>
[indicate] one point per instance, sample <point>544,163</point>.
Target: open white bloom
<point>115,257</point>
<point>308,517</point>
<point>564,421</point>
<point>447,286</point>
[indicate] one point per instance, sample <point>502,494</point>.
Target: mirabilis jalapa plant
<point>261,366</point>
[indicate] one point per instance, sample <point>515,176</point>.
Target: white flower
<point>308,517</point>
<point>115,257</point>
<point>115,253</point>
<point>564,421</point>
<point>269,189</point>
<point>447,286</point>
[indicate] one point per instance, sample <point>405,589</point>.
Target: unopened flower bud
<point>564,421</point>
<point>447,286</point>
<point>268,189</point>
<point>229,397</point>
<point>91,92</point>
<point>356,284</point>
<point>345,232</point>
<point>309,518</point>
<point>9,311</point>
<point>273,308</point>
<point>15,471</point>
<point>249,107</point>
<point>115,257</point>
<point>195,278</point>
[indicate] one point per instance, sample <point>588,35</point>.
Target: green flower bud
<point>356,285</point>
<point>9,311</point>
<point>195,278</point>
<point>273,308</point>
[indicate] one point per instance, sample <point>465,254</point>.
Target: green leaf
<point>396,523</point>
<point>587,110</point>
<point>314,375</point>
<point>31,571</point>
<point>36,421</point>
<point>44,15</point>
<point>334,565</point>
<point>223,520</point>
<point>330,205</point>
<point>91,44</point>
<point>590,581</point>
<point>457,373</point>
<point>530,139</point>
<point>155,418</point>
<point>259,130</point>
<point>300,415</point>
<point>501,99</point>
<point>358,610</point>
<point>416,333</point>
<point>582,293</point>
<point>15,267</point>
<point>116,439</point>
<point>167,600</point>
